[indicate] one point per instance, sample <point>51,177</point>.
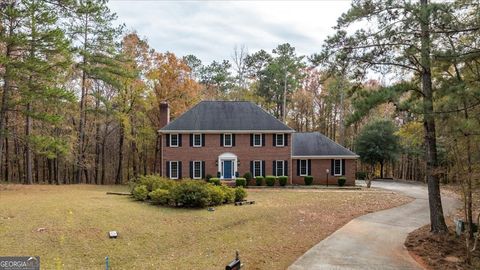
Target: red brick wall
<point>319,167</point>
<point>212,149</point>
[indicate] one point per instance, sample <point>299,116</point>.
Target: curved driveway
<point>375,240</point>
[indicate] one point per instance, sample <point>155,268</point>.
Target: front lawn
<point>270,234</point>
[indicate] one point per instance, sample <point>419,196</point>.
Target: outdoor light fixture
<point>328,172</point>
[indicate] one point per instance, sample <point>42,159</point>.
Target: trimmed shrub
<point>308,180</point>
<point>140,193</point>
<point>240,182</point>
<point>341,181</point>
<point>191,193</point>
<point>229,194</point>
<point>282,180</point>
<point>247,176</point>
<point>217,196</point>
<point>207,177</point>
<point>215,181</point>
<point>160,196</point>
<point>361,175</point>
<point>259,180</point>
<point>270,180</point>
<point>240,194</point>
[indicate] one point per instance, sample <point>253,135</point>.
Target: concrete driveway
<point>376,240</point>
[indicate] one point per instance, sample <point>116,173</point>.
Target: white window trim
<point>201,142</point>
<point>261,173</point>
<point>178,139</point>
<point>341,169</point>
<point>193,169</point>
<point>261,140</point>
<point>306,167</point>
<point>276,167</point>
<point>170,169</point>
<point>231,140</point>
<point>283,140</point>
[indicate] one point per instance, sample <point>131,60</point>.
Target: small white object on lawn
<point>112,234</point>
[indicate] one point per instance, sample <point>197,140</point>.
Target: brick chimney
<point>164,114</point>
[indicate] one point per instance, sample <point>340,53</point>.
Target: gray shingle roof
<point>317,144</point>
<point>226,115</point>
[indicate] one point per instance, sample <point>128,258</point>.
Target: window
<point>303,167</point>
<point>197,140</point>
<point>257,168</point>
<point>197,170</point>
<point>174,169</point>
<point>337,167</point>
<point>280,167</point>
<point>174,140</point>
<point>227,140</point>
<point>279,139</point>
<point>257,140</point>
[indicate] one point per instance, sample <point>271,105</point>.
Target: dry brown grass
<point>270,234</point>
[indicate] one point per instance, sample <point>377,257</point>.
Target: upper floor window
<point>279,139</point>
<point>227,140</point>
<point>257,140</point>
<point>197,140</point>
<point>337,167</point>
<point>174,140</point>
<point>303,167</point>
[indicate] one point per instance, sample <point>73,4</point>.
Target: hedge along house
<point>226,139</point>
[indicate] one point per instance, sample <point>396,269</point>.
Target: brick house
<point>229,138</point>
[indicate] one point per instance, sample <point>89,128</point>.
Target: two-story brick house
<point>229,138</point>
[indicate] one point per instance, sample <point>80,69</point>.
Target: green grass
<point>270,234</point>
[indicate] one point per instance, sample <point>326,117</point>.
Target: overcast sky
<point>211,29</point>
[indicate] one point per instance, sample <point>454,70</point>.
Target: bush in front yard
<point>140,193</point>
<point>229,194</point>
<point>160,196</point>
<point>240,194</point>
<point>240,182</point>
<point>361,175</point>
<point>208,177</point>
<point>308,180</point>
<point>191,193</point>
<point>270,180</point>
<point>341,181</point>
<point>217,196</point>
<point>247,176</point>
<point>259,180</point>
<point>216,181</point>
<point>282,180</point>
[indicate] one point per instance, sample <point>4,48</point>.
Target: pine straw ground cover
<point>75,219</point>
<point>445,251</point>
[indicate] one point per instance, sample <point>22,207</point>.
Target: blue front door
<point>227,169</point>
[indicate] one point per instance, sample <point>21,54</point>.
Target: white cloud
<point>210,29</point>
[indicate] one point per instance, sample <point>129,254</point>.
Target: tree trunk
<point>437,220</point>
<point>119,177</point>
<point>97,138</point>
<point>28,151</point>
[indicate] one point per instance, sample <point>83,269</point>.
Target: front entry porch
<point>227,166</point>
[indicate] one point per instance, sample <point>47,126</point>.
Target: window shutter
<point>251,168</point>
<point>221,139</point>
<point>179,140</point>
<point>179,170</point>
<point>274,168</point>
<point>167,166</point>
<point>263,168</point>
<point>274,136</point>
<point>203,139</point>
<point>343,166</point>
<point>191,140</point>
<point>332,169</point>
<point>233,139</point>
<point>309,167</point>
<point>285,167</point>
<point>263,139</point>
<point>251,139</point>
<point>191,169</point>
<point>203,169</point>
<point>298,167</point>
<point>167,137</point>
<point>285,139</point>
